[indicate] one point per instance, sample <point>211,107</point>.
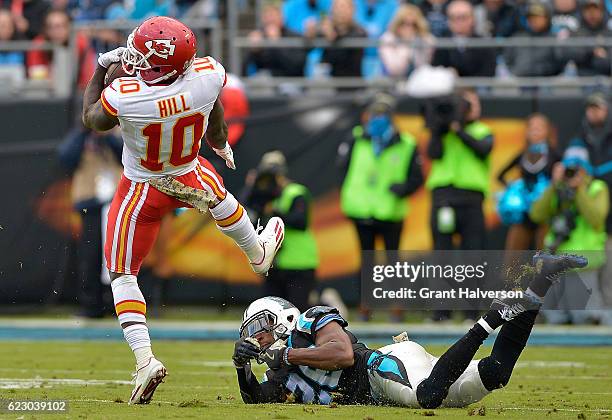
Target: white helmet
<point>272,314</point>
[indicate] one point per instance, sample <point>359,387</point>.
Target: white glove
<point>227,155</point>
<point>110,57</point>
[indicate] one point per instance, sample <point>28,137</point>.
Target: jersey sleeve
<point>221,74</point>
<point>316,318</point>
<point>110,99</point>
<point>210,66</point>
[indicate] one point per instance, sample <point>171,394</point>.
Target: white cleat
<point>270,239</point>
<point>146,380</point>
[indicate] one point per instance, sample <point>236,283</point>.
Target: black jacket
<point>280,61</point>
<point>589,64</point>
<point>469,62</point>
<point>534,61</point>
<point>345,62</point>
<point>599,144</point>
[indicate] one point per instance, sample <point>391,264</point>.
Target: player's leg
<point>452,364</point>
<point>231,217</point>
<point>133,223</point>
<point>495,370</point>
<point>394,371</point>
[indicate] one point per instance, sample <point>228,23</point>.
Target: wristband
<point>286,357</point>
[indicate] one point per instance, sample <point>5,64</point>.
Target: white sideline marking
<point>18,383</point>
<point>547,364</point>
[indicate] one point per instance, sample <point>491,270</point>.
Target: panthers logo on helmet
<point>161,47</point>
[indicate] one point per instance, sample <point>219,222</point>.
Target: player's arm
<point>253,392</point>
<point>94,116</point>
<point>333,350</point>
<point>216,135</point>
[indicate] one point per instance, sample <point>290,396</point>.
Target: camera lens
<point>570,172</point>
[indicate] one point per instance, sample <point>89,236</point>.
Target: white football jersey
<point>162,125</point>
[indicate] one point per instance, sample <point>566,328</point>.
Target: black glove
<point>276,358</point>
<point>245,349</point>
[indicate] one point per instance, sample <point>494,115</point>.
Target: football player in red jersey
<point>164,109</point>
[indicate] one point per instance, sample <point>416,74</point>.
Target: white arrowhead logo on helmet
<point>161,47</point>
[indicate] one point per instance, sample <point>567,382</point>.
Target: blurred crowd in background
<point>559,200</point>
<point>406,34</point>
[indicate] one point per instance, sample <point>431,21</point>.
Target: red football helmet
<point>159,49</point>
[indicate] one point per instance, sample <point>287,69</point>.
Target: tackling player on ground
<point>163,110</point>
<point>312,358</point>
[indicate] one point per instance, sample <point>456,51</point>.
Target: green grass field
<point>567,382</point>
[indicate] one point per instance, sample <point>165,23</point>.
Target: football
<point>113,72</point>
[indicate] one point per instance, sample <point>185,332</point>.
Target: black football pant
<point>494,370</point>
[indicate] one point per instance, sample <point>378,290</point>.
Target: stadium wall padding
<point>38,226</point>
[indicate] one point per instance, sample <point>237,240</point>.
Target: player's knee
<point>493,373</point>
<point>430,395</point>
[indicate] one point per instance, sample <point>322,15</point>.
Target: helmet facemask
<point>132,59</point>
<point>264,321</point>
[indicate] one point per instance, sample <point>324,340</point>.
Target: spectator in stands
<point>596,132</point>
<point>303,14</point>
<point>88,10</point>
<point>340,24</point>
<point>399,58</point>
<point>8,33</point>
<point>278,61</point>
<point>374,15</point>
<point>139,9</point>
<point>93,160</point>
<point>496,18</point>
<point>57,30</point>
<point>535,164</point>
<point>565,17</point>
<point>466,61</point>
<point>526,61</point>
<point>435,13</point>
<point>591,61</point>
<point>28,15</point>
<point>201,9</point>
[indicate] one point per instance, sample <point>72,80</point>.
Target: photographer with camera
<point>576,206</point>
<point>596,132</point>
<point>460,148</point>
<point>269,192</point>
<point>383,168</point>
